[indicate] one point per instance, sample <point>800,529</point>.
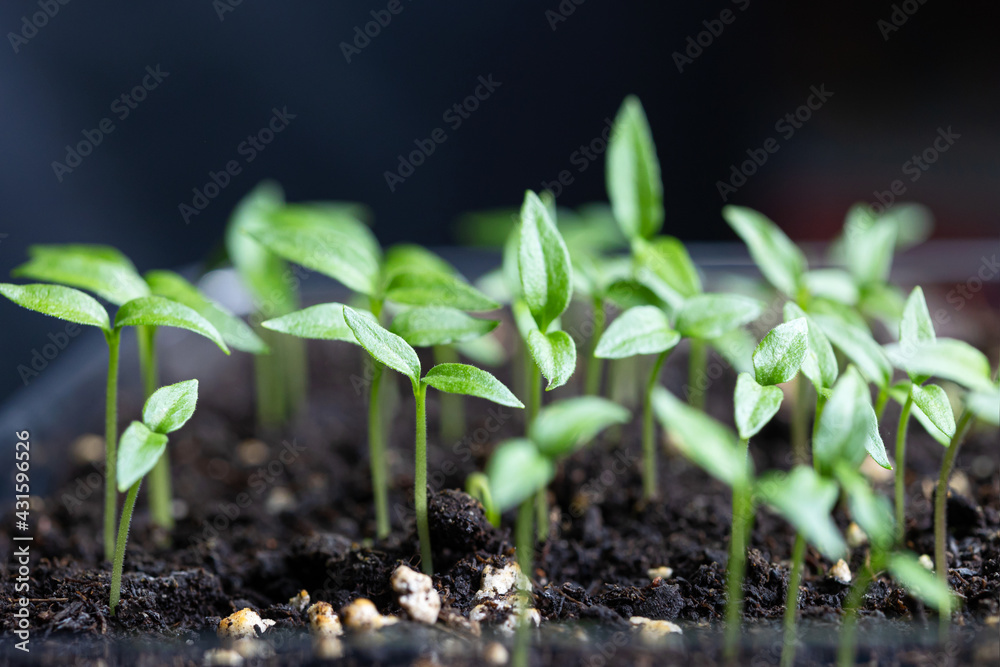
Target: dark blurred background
<point>561,70</point>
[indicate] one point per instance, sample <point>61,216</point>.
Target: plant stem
<point>900,472</point>
<point>534,375</point>
<point>940,507</point>
<point>523,543</point>
<point>376,455</point>
<point>159,492</point>
<point>452,405</point>
<point>848,629</point>
<point>119,560</point>
<point>792,601</point>
<point>736,568</point>
<point>542,513</point>
<point>111,442</point>
<point>420,478</point>
<point>800,422</point>
<point>649,484</point>
<point>595,366</point>
<point>697,359</point>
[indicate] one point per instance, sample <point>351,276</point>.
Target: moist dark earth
<point>265,515</point>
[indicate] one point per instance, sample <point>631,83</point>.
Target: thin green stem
<point>111,442</point>
<point>940,507</point>
<point>376,454</point>
<point>523,543</point>
<point>736,568</point>
<point>542,513</point>
<point>848,629</point>
<point>534,392</point>
<point>452,422</point>
<point>649,484</point>
<point>900,472</point>
<point>477,485</point>
<point>800,421</point>
<point>119,558</point>
<point>159,490</point>
<point>792,601</point>
<point>420,478</point>
<point>697,359</point>
<point>595,366</point>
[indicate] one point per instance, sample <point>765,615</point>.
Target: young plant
<point>72,305</point>
<point>142,445</point>
<point>334,321</point>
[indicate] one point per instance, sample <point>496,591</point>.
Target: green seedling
<point>109,274</point>
<point>142,445</point>
<point>72,305</point>
<point>334,321</point>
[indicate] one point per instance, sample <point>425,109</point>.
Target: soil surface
<point>265,515</point>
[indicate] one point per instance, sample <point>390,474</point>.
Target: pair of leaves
<point>945,358</point>
<point>848,427</point>
<point>820,362</point>
<point>632,173</point>
<point>554,352</point>
<point>143,443</point>
<point>858,345</point>
<point>546,275</point>
<point>779,260</point>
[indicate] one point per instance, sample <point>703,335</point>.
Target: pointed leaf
<point>138,452</point>
<point>916,326</point>
<point>322,322</point>
<point>779,356</point>
<point>859,346</point>
<point>664,266</point>
<point>833,284</point>
<point>707,316</point>
<point>779,260</point>
<point>933,402</point>
<point>805,500</point>
<point>921,582</point>
<point>439,325</point>
<point>639,330</point>
<point>470,381</point>
<point>414,258</point>
<point>754,404</point>
<point>946,358</point>
<point>262,272</point>
<point>421,288</point>
<point>169,408</point>
<point>157,311</point>
<point>985,405</point>
<point>871,243</point>
<point>899,392</point>
<point>543,263</point>
<point>383,345</point>
<point>66,303</point>
<point>848,427</point>
<point>568,424</point>
<point>820,362</point>
<point>633,173</point>
<point>517,471</point>
<point>100,269</point>
<point>555,354</point>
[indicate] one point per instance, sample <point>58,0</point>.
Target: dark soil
<point>266,518</point>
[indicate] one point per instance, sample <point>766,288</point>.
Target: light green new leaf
<point>170,407</point>
<point>870,245</point>
<point>639,330</point>
<point>871,511</point>
<point>233,330</point>
<point>985,405</point>
<point>834,284</point>
<point>883,301</point>
<point>840,312</point>
<point>555,354</point>
<point>820,362</point>
<point>859,346</point>
<point>707,316</point>
<point>921,582</point>
<point>323,322</point>
<point>779,260</point>
<point>415,258</point>
<point>470,381</point>
<point>263,272</point>
<point>805,500</point>
<point>422,288</point>
<point>566,425</point>
<point>383,345</point>
<point>899,392</point>
<point>946,358</point>
<point>485,350</point>
<point>138,452</point>
<point>632,173</point>
<point>736,347</point>
<point>100,269</point>
<point>517,471</point>
<point>707,443</point>
<point>66,303</point>
<point>664,266</point>
<point>779,356</point>
<point>933,402</point>
<point>157,311</point>
<point>754,405</point>
<point>543,263</point>
<point>439,325</point>
<point>916,325</point>
<point>848,427</point>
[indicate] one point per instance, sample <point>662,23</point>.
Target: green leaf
<point>157,311</point>
<point>632,173</point>
<point>383,345</point>
<point>859,346</point>
<point>170,407</point>
<point>871,243</point>
<point>779,260</point>
<point>439,325</point>
<point>555,354</point>
<point>946,358</point>
<point>933,402</point>
<point>883,301</point>
<point>626,293</point>
<point>568,424</point>
<point>470,381</point>
<point>263,272</point>
<point>707,443</point>
<point>985,405</point>
<point>328,241</point>
<point>414,258</point>
<point>921,582</point>
<point>65,303</point>
<point>138,452</point>
<point>898,392</point>
<point>833,284</point>
<point>820,362</point>
<point>707,316</point>
<point>543,263</point>
<point>420,288</point>
<point>848,315</point>
<point>664,266</point>
<point>100,269</point>
<point>754,405</point>
<point>485,350</point>
<point>847,426</point>
<point>871,511</point>
<point>639,330</point>
<point>323,322</point>
<point>233,330</point>
<point>805,500</point>
<point>916,326</point>
<point>517,471</point>
<point>780,354</point>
